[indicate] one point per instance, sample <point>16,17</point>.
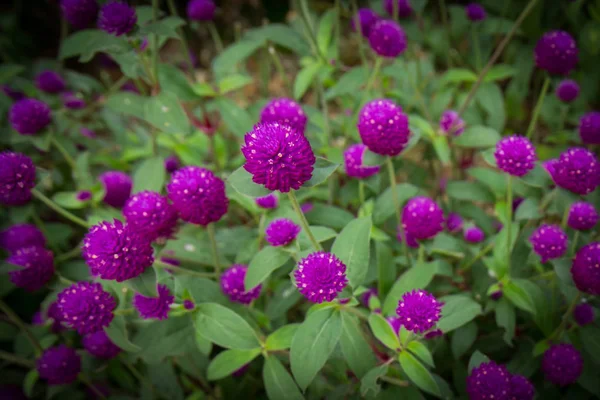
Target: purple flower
<point>201,10</point>
<point>29,116</point>
<point>88,133</point>
<point>21,235</point>
<point>353,160</point>
<point>451,123</point>
<point>117,251</point>
<point>515,155</point>
<point>154,307</point>
<point>278,157</point>
<point>12,93</point>
<point>79,13</point>
<point>410,240</point>
<point>72,101</point>
<point>286,112</point>
<point>151,214</point>
<point>454,223</point>
<point>117,18</point>
<point>320,276</point>
<point>475,12</point>
<point>387,39</point>
<point>383,127</point>
<point>396,323</point>
<point>521,388</point>
<point>549,242</point>
<point>489,381</point>
<point>550,167</point>
<point>562,364</point>
<point>50,82</point>
<point>422,218</point>
<point>403,7</point>
<point>59,365</point>
<point>577,170</point>
<point>474,234</point>
<point>282,232</point>
<point>117,186</point>
<point>232,284</point>
<point>366,18</point>
<point>269,201</point>
<point>418,311</point>
<point>556,52</point>
<point>582,216</point>
<point>38,267</point>
<point>567,90</point>
<point>583,314</point>
<point>99,345</point>
<point>172,164</point>
<point>84,195</point>
<point>433,334</point>
<point>130,87</point>
<point>86,307</point>
<point>497,295</point>
<point>366,296</point>
<point>37,318</point>
<point>188,305</point>
<point>589,128</point>
<point>17,178</point>
<point>586,269</point>
<point>55,314</point>
<point>306,207</point>
<point>198,195</point>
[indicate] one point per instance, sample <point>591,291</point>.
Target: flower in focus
<point>201,10</point>
<point>21,235</point>
<point>154,307</point>
<point>475,12</point>
<point>151,214</point>
<point>86,307</point>
<point>515,155</point>
<point>422,218</point>
<point>117,186</point>
<point>281,232</point>
<point>567,90</point>
<point>549,242</point>
<point>521,388</point>
<point>583,314</point>
<point>586,269</point>
<point>232,284</point>
<point>117,18</point>
<point>267,202</point>
<point>418,311</point>
<point>582,216</point>
<point>353,160</point>
<point>562,364</point>
<point>577,170</point>
<point>403,8</point>
<point>489,381</point>
<point>37,267</point>
<point>29,116</point>
<point>589,128</point>
<point>556,52</point>
<point>320,276</point>
<point>80,13</point>
<point>99,345</point>
<point>59,365</point>
<point>387,39</point>
<point>452,123</point>
<point>366,18</point>
<point>286,112</point>
<point>383,127</point>
<point>474,234</point>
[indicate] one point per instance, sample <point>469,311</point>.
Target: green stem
<point>396,10</point>
<point>214,249</point>
<point>155,43</point>
<point>538,107</point>
<point>565,317</point>
<point>392,177</point>
<point>509,201</point>
<point>213,150</point>
<point>373,77</point>
<point>358,28</point>
<point>304,13</point>
<point>564,110</point>
<point>139,376</point>
<point>444,14</point>
<point>574,246</point>
<point>303,221</point>
<point>476,47</point>
<point>420,97</point>
<point>183,271</point>
<point>324,109</point>
<point>181,34</point>
<point>421,253</point>
<point>86,381</point>
<point>279,67</point>
<point>361,191</point>
<point>63,152</point>
<point>40,196</point>
<point>479,256</point>
<point>74,252</point>
<point>261,228</point>
<point>565,218</point>
<point>16,359</point>
<point>394,381</point>
<point>214,33</point>
<point>21,325</point>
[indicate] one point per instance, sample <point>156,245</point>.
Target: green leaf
<point>384,205</point>
<point>499,72</point>
<point>355,348</point>
<point>144,284</point>
<point>117,332</point>
<point>476,359</point>
<point>149,175</point>
<point>442,149</point>
<point>278,382</point>
<point>237,120</point>
<point>241,181</point>
<point>29,382</point>
<point>590,336</point>
<point>127,103</point>
<point>369,387</point>
<point>305,78</point>
<point>164,378</point>
<point>331,216</point>
<point>321,234</point>
<point>281,339</point>
<point>8,71</point>
<point>166,113</point>
<point>477,137</point>
<point>229,361</point>
<point>283,35</point>
<point>462,339</point>
<point>166,27</point>
<point>457,311</point>
<point>495,180</point>
<point>518,296</point>
<point>323,169</point>
<point>173,80</point>
<point>88,42</point>
<point>224,327</point>
<point>418,374</point>
<point>234,54</point>
<point>352,247</point>
<point>506,318</point>
<point>233,82</point>
<point>458,75</point>
<point>384,332</point>
<point>528,209</point>
<point>469,191</point>
<point>422,352</point>
<point>349,83</point>
<point>68,200</point>
<point>325,31</point>
<point>263,264</point>
<point>418,277</point>
<point>490,98</point>
<point>203,89</point>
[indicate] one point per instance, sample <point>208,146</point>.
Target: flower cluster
<point>29,116</point>
<point>282,232</point>
<point>383,127</point>
<point>418,311</point>
<point>21,235</point>
<point>422,218</point>
<point>151,214</point>
<point>562,364</point>
<point>353,160</point>
<point>37,267</point>
<point>86,307</point>
<point>59,365</point>
<point>387,39</point>
<point>556,52</point>
<point>492,381</point>
<point>515,155</point>
<point>549,242</point>
<point>586,269</point>
<point>320,276</point>
<point>117,18</point>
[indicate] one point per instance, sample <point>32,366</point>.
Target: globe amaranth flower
<point>73,101</point>
<point>353,161</point>
<point>366,296</point>
<point>17,178</point>
<point>286,112</point>
<point>475,12</point>
<point>562,364</point>
<point>489,381</point>
<point>577,170</point>
<point>117,186</point>
<point>521,388</point>
<point>403,8</point>
<point>86,307</point>
<point>474,234</point>
<point>584,314</point>
<point>515,155</point>
<point>306,207</point>
<point>232,284</point>
<point>50,82</point>
<point>387,39</point>
<point>586,269</point>
<point>278,157</point>
<point>418,311</point>
<point>117,18</point>
<point>320,276</point>
<point>54,313</point>
<point>38,267</point>
<point>99,345</point>
<point>154,307</point>
<point>556,52</point>
<point>395,322</point>
<point>454,223</point>
<point>59,365</point>
<point>21,235</point>
<point>589,128</point>
<point>410,239</point>
<point>452,123</point>
<point>422,218</point>
<point>366,18</point>
<point>84,195</point>
<point>567,90</point>
<point>549,242</point>
<point>29,116</point>
<point>201,10</point>
<point>267,202</point>
<point>281,232</point>
<point>383,127</point>
<point>188,305</point>
<point>198,195</point>
<point>151,214</point>
<point>80,13</point>
<point>172,164</point>
<point>582,216</point>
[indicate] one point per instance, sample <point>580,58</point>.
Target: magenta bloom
<point>17,178</point>
<point>29,116</point>
<point>582,216</point>
<point>154,307</point>
<point>86,307</point>
<point>198,195</point>
<point>577,170</point>
<point>418,311</point>
<point>549,242</point>
<point>268,202</point>
<point>410,240</point>
<point>320,276</point>
<point>188,305</point>
<point>117,251</point>
<point>454,223</point>
<point>451,123</point>
<point>306,207</point>
<point>84,195</point>
<point>232,284</point>
<point>80,13</point>
<point>396,323</point>
<point>403,7</point>
<point>583,314</point>
<point>422,218</point>
<point>72,101</point>
<point>521,388</point>
<point>562,364</point>
<point>474,234</point>
<point>353,160</point>
<point>50,82</point>
<point>286,112</point>
<point>172,164</point>
<point>99,345</point>
<point>117,186</point>
<point>515,155</point>
<point>475,12</point>
<point>567,90</point>
<point>586,269</point>
<point>54,313</point>
<point>556,52</point>
<point>21,235</point>
<point>117,18</point>
<point>201,10</point>
<point>12,93</point>
<point>282,232</point>
<point>278,157</point>
<point>489,381</point>
<point>383,127</point>
<point>38,267</point>
<point>59,365</point>
<point>387,39</point>
<point>366,19</point>
<point>151,215</point>
<point>366,296</point>
<point>589,128</point>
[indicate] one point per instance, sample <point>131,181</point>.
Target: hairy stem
<point>40,196</point>
<point>214,249</point>
<point>538,107</point>
<point>303,221</point>
<point>392,177</point>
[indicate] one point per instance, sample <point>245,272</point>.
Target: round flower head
<point>171,164</point>
<point>198,195</point>
<point>452,123</point>
<point>79,13</point>
<point>403,8</point>
<point>584,314</point>
<point>151,214</point>
<point>232,284</point>
<point>549,242</point>
<point>489,381</point>
<point>29,116</point>
<point>562,364</point>
<point>454,223</point>
<point>567,90</point>
<point>422,218</point>
<point>589,128</point>
<point>556,52</point>
<point>117,186</point>
<point>582,216</point>
<point>515,155</point>
<point>383,127</point>
<point>577,170</point>
<point>278,157</point>
<point>366,18</point>
<point>282,232</point>
<point>410,240</point>
<point>267,202</point>
<point>84,195</point>
<point>201,10</point>
<point>117,18</point>
<point>475,12</point>
<point>396,323</point>
<point>474,235</point>
<point>38,267</point>
<point>521,388</point>
<point>86,307</point>
<point>99,345</point>
<point>353,160</point>
<point>50,82</point>
<point>21,235</point>
<point>586,269</point>
<point>286,112</point>
<point>59,365</point>
<point>17,178</point>
<point>154,307</point>
<point>320,276</point>
<point>188,305</point>
<point>73,101</point>
<point>387,39</point>
<point>418,311</point>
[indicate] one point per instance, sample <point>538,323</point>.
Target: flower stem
<point>324,109</point>
<point>394,381</point>
<point>184,271</point>
<point>40,196</point>
<point>358,28</point>
<point>508,219</point>
<point>565,317</point>
<point>181,34</point>
<point>213,247</point>
<point>214,33</point>
<point>361,191</point>
<point>476,47</point>
<point>303,221</point>
<point>309,28</point>
<point>574,246</point>
<point>21,325</point>
<point>74,252</point>
<point>12,358</point>
<point>373,77</point>
<point>392,176</point>
<point>155,43</point>
<point>279,66</point>
<point>479,256</point>
<point>63,152</point>
<point>538,107</point>
<point>86,381</point>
